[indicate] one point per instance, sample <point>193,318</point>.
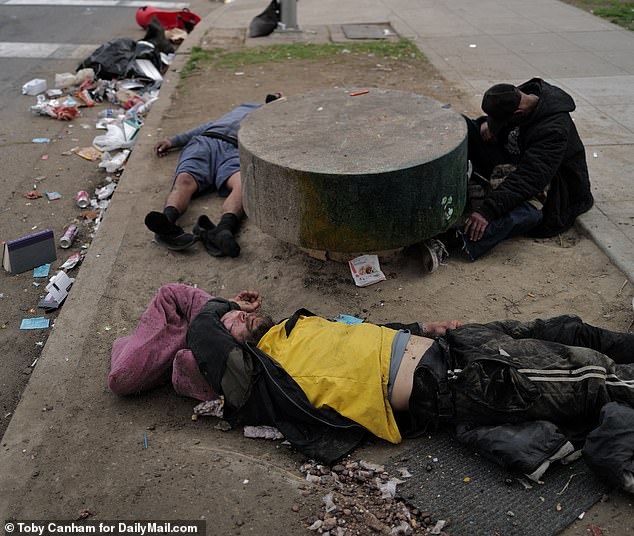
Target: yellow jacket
<point>339,366</point>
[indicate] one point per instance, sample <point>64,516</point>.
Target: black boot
<point>166,231</point>
<point>222,236</point>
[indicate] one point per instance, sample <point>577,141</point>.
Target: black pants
<point>560,370</point>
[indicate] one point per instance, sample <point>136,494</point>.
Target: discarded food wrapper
<point>89,153</point>
<point>72,261</point>
<point>366,270</point>
<point>33,194</point>
<point>41,140</point>
<point>35,323</point>
<point>54,93</point>
<point>34,87</point>
<point>348,319</point>
<point>41,271</point>
<point>52,196</point>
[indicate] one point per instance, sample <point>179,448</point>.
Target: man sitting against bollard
<point>528,130</point>
<point>209,160</point>
<point>323,384</point>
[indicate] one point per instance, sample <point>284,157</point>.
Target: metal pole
<point>288,15</point>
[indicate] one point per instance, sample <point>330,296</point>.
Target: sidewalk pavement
<point>477,44</point>
<point>49,464</point>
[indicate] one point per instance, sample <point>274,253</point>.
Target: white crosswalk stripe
<point>96,3</point>
<point>45,50</point>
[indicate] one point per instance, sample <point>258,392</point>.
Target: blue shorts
<point>210,161</point>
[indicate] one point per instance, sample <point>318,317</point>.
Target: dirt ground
<point>521,279</point>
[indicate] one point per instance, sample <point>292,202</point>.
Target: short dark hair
<point>261,329</point>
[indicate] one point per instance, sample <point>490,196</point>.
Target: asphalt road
<point>38,41</point>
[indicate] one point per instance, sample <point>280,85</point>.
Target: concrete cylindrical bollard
<point>349,171</point>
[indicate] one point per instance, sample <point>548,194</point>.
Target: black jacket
<point>258,390</point>
<point>550,153</point>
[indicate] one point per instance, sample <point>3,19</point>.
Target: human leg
<point>163,224</point>
<point>220,240</point>
<point>144,359</point>
<point>518,221</point>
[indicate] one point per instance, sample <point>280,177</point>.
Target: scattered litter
<point>329,503</point>
<point>595,155</point>
<point>41,140</point>
<point>28,252</point>
<point>262,432</point>
<point>42,271</point>
<point>596,531</point>
<point>388,490</point>
<point>114,162</point>
<point>35,323</point>
<point>44,157</point>
<point>33,194</point>
<point>36,284</point>
<point>404,472</point>
<point>438,527</point>
<point>39,343</point>
<point>33,363</point>
<point>245,481</point>
<point>473,45</point>
<point>581,515</point>
<point>54,93</point>
<point>106,191</point>
<point>361,92</point>
<point>89,214</point>
<point>82,199</point>
<point>59,287</point>
<point>72,261</point>
<point>211,408</point>
<point>348,319</point>
<point>366,270</point>
<point>34,87</point>
<point>145,442</point>
<point>52,196</point>
<point>466,479</point>
<point>69,236</point>
<point>89,153</point>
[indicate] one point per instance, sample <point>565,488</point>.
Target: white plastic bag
<point>113,139</point>
<point>113,162</point>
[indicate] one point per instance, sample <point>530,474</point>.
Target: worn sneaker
<point>434,254</point>
<point>167,233</point>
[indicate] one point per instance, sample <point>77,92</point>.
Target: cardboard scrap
<point>366,270</point>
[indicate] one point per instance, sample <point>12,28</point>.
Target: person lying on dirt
<point>209,161</point>
<point>325,383</point>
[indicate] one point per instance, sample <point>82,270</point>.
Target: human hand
<point>475,226</point>
<point>438,329</point>
<point>486,134</point>
<point>249,301</point>
<point>162,147</point>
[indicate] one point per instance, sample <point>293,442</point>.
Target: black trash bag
<point>112,59</point>
<point>266,22</point>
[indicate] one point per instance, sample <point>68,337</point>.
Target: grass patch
<point>403,49</point>
<point>619,12</point>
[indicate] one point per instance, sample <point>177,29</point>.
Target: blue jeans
<point>520,220</point>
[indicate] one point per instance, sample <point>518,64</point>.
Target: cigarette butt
<point>362,92</point>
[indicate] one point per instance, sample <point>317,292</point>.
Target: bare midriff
<point>404,380</point>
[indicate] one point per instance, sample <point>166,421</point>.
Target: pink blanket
<point>157,349</point>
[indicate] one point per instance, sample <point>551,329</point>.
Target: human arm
<point>543,151</point>
<point>249,301</point>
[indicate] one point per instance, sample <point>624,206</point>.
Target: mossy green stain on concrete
<point>362,213</point>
